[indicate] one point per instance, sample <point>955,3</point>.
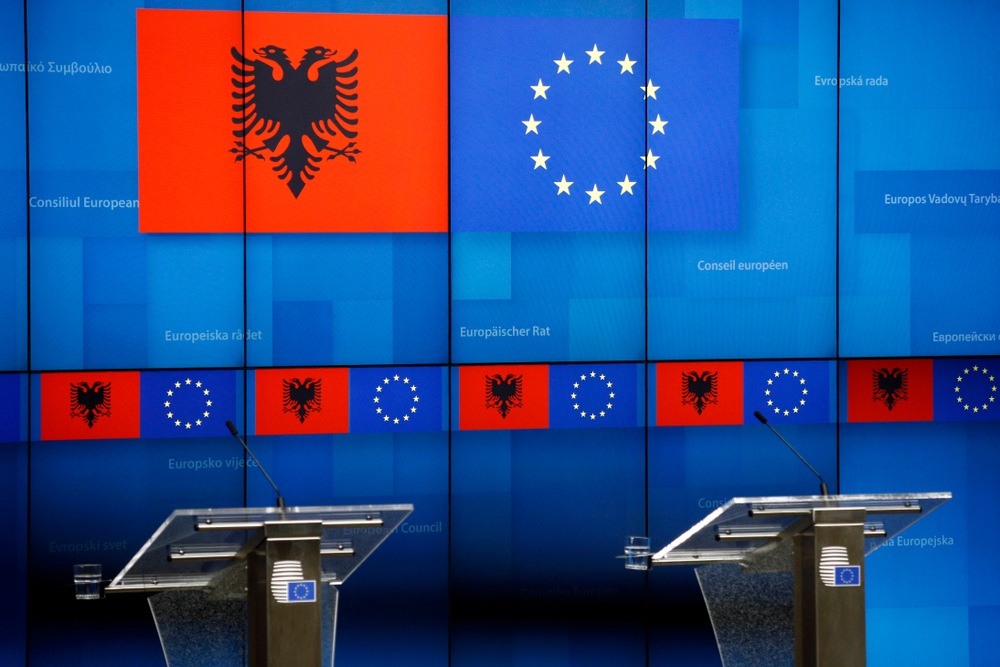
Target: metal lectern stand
<point>784,578</point>
<point>253,586</point>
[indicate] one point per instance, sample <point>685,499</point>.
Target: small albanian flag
<point>503,397</point>
<point>90,405</point>
<point>300,401</point>
<point>890,390</point>
<point>699,393</point>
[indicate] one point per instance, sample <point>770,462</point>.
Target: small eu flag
<point>396,400</point>
<point>965,390</point>
<point>302,591</point>
<point>187,404</point>
<point>787,392</point>
<point>847,575</point>
<point>592,396</point>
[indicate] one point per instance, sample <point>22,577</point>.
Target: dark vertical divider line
<point>243,50</point>
<point>30,407</point>
<point>837,231</point>
<point>246,436</point>
<point>448,333</point>
<point>645,282</point>
<point>246,411</point>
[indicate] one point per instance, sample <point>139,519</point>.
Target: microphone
<point>281,501</point>
<point>823,491</point>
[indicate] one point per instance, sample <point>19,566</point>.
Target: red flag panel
<point>699,393</point>
<point>890,390</point>
<point>503,397</point>
<point>188,181</point>
<point>301,400</point>
<point>351,109</point>
<point>90,405</point>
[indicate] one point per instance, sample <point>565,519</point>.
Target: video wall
<point>529,266</point>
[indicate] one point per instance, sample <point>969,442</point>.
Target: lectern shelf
<point>784,577</point>
<point>255,586</point>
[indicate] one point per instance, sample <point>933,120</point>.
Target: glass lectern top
<point>742,525</point>
<point>194,547</point>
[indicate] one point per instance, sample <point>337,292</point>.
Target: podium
<point>253,586</point>
<point>784,577</point>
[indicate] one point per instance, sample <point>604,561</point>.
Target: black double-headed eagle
<point>699,390</point>
<point>889,386</point>
<point>297,110</point>
<point>503,394</point>
<point>302,398</point>
<point>90,402</point>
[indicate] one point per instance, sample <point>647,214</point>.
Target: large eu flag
<point>560,124</point>
<point>547,124</point>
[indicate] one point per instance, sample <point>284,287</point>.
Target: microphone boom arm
<point>824,491</point>
<point>281,501</point>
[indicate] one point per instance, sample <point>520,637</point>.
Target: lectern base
<point>198,629</point>
<point>752,614</point>
<point>784,577</point>
<point>253,586</point>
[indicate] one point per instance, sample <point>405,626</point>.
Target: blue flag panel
<point>395,400</point>
<point>10,407</point>
<point>692,109</point>
<point>188,404</point>
<point>13,188</point>
<point>340,299</point>
<point>966,390</point>
<point>904,202</point>
<point>106,296</point>
<point>547,297</point>
<point>592,396</point>
<point>787,392</point>
<point>550,134</point>
<point>547,127</point>
<point>919,181</point>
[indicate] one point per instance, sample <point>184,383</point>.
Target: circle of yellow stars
<point>386,417</point>
<point>611,394</point>
<point>170,413</point>
<point>965,404</point>
<point>802,400</point>
<point>531,125</point>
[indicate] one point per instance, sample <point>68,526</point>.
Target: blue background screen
<point>637,188</point>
